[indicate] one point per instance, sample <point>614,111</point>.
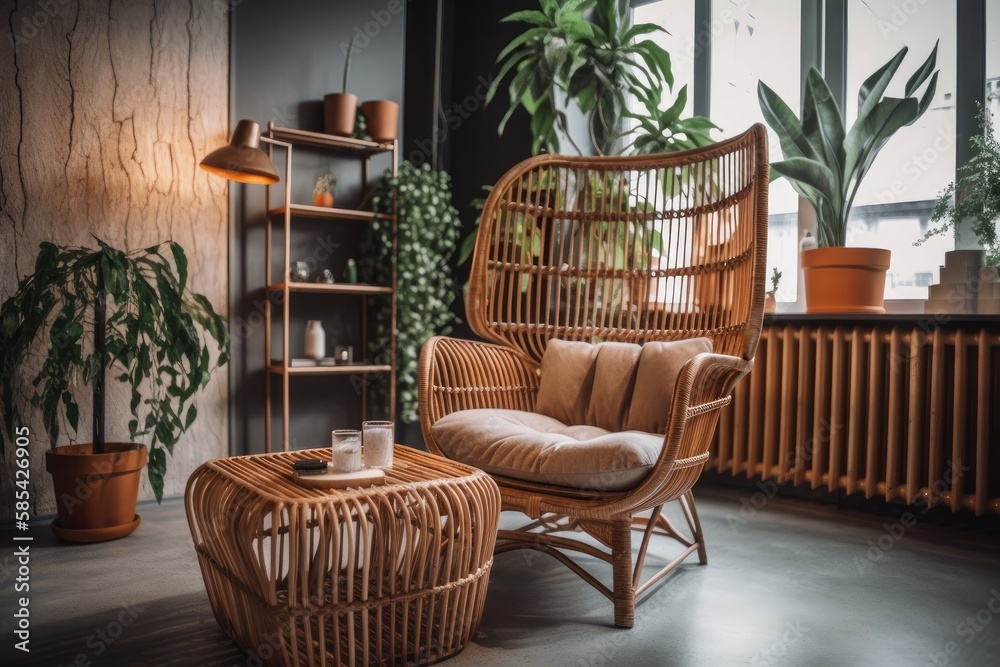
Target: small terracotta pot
<point>770,303</point>
<point>845,280</point>
<point>383,119</point>
<point>96,492</point>
<point>323,199</point>
<point>339,112</point>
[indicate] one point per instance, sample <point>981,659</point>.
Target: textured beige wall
<point>105,109</point>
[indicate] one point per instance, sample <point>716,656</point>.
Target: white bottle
<point>808,242</point>
<point>315,340</point>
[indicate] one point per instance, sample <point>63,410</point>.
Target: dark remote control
<point>310,467</point>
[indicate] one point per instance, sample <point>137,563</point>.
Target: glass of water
<point>378,443</point>
<point>346,451</point>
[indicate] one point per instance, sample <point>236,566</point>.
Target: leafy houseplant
<point>595,63</point>
<point>340,109</point>
<point>826,164</point>
<point>595,60</point>
<point>153,337</point>
<point>427,236</point>
<point>976,194</point>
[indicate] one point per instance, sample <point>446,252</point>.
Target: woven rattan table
<point>391,574</point>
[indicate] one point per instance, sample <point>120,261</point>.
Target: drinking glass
<point>378,443</point>
<point>346,451</point>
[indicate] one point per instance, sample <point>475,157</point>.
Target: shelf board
<point>346,369</point>
<point>326,212</point>
<point>336,288</point>
<point>319,140</point>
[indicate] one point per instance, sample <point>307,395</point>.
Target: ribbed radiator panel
<point>897,412</point>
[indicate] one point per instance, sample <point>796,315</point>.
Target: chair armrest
<point>705,384</point>
<point>703,387</point>
<point>460,374</point>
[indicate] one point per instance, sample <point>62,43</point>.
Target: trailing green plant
<point>361,126</point>
<point>826,163</point>
<point>976,194</point>
<point>156,342</point>
<point>427,236</point>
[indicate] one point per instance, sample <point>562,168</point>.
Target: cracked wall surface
<point>105,109</point>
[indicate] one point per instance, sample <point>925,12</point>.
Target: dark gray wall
<point>285,57</point>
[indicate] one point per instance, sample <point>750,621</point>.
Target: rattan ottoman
<point>387,575</point>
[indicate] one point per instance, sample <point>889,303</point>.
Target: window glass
<point>759,40</point>
<point>676,17</point>
<point>993,62</point>
<point>894,203</point>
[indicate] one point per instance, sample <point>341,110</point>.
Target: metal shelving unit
<point>281,367</point>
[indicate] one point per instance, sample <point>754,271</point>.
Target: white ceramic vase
<point>315,340</point>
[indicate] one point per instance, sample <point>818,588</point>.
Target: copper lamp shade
<point>242,159</point>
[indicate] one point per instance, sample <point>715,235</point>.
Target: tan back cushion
<point>613,379</point>
<point>613,386</point>
<point>660,365</point>
<point>567,380</point>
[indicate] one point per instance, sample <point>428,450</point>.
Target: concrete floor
<point>791,583</point>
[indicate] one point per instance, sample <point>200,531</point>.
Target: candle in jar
<point>378,443</point>
<point>346,454</point>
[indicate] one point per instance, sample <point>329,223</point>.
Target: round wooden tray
<point>341,480</point>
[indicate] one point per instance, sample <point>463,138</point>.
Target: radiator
<point>909,413</point>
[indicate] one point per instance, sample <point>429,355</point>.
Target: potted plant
<point>427,234</point>
<point>601,58</point>
<point>340,109</point>
<point>324,189</point>
<point>153,335</point>
<point>825,163</point>
<point>770,303</point>
<point>976,194</point>
<point>382,117</point>
<point>595,59</point>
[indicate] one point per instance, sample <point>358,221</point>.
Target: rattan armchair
<point>631,249</point>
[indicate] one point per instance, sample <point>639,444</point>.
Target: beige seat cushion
<point>538,448</point>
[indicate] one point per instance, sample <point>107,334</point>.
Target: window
<point>993,62</point>
<point>894,203</point>
<point>753,41</point>
<point>677,18</point>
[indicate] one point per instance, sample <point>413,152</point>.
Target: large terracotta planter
<point>339,113</point>
<point>96,493</point>
<point>382,117</point>
<point>845,280</point>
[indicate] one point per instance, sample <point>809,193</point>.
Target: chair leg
<point>624,591</point>
<point>691,514</point>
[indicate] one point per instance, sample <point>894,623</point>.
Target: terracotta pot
<point>845,280</point>
<point>96,493</point>
<point>339,112</point>
<point>323,199</point>
<point>383,119</point>
<point>770,303</point>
